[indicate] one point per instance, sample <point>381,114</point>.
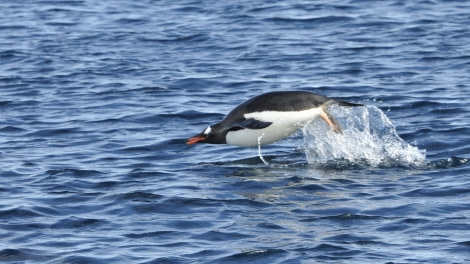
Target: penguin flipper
<point>249,123</point>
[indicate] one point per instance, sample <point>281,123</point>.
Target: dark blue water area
<point>97,99</point>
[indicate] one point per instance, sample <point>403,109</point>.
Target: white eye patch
<point>207,131</point>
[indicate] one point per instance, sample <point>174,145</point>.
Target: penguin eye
<point>207,131</point>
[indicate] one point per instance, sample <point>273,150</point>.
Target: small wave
<point>22,255</point>
<point>318,20</point>
<point>76,222</point>
<point>11,129</point>
<point>447,163</point>
<point>369,139</point>
<point>18,213</point>
<point>268,255</point>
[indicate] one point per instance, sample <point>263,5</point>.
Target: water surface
<point>97,99</point>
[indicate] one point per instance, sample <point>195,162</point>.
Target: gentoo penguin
<point>269,117</point>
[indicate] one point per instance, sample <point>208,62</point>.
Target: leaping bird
<point>270,117</point>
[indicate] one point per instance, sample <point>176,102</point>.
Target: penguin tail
<point>344,103</point>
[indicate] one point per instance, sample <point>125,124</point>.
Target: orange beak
<point>195,139</point>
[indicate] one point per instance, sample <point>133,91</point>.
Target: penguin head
<point>212,134</point>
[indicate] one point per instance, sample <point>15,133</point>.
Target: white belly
<point>283,125</point>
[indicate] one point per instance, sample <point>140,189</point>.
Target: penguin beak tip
<point>195,139</point>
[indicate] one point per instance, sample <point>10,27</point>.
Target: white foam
<point>369,138</point>
<point>259,150</point>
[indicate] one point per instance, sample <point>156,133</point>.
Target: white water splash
<point>259,150</point>
<point>369,138</point>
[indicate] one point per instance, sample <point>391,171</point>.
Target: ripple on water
<point>23,254</point>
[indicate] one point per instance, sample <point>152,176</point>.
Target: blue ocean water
<point>97,99</point>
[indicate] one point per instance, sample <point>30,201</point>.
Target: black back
<point>284,101</point>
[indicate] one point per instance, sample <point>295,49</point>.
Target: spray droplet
<point>259,150</point>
